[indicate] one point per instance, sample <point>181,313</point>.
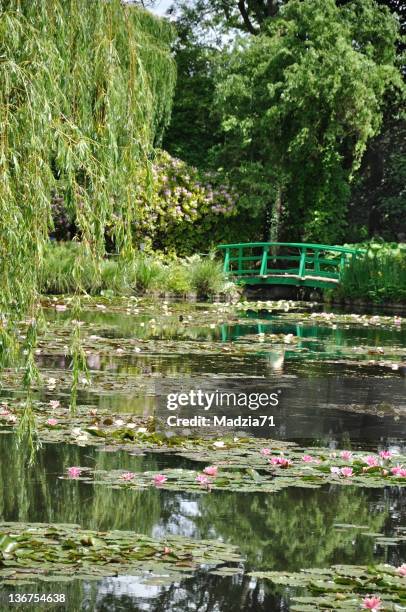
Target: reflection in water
<point>291,529</point>
<point>288,530</point>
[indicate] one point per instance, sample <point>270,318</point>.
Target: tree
<point>194,129</point>
<point>86,89</point>
<point>251,16</point>
<point>299,102</point>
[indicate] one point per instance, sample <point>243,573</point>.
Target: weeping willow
<point>85,93</point>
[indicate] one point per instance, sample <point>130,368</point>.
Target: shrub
<point>184,210</point>
<point>377,276</point>
<point>146,273</point>
<point>206,274</point>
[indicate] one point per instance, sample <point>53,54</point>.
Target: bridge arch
<point>286,263</point>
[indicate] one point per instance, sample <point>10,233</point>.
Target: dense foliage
<point>312,86</point>
<point>86,92</point>
<point>378,276</point>
<point>142,274</point>
<point>305,92</point>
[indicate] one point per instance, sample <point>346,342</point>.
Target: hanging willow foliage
<point>85,92</point>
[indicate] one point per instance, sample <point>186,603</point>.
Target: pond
<point>344,387</point>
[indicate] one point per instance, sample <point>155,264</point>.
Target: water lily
<point>127,476</point>
<point>346,472</point>
<point>211,470</point>
<point>335,470</point>
<point>119,422</point>
<point>142,430</point>
<point>266,451</point>
<point>54,404</point>
<point>401,570</point>
<point>167,550</point>
<point>307,458</point>
<point>346,455</point>
<point>219,444</point>
<point>397,320</point>
<point>397,470</point>
<point>371,603</point>
<point>159,479</point>
<point>371,460</point>
<point>202,480</point>
<point>281,461</point>
<point>52,422</point>
<point>74,472</point>
<point>385,454</point>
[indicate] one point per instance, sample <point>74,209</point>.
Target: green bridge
<point>286,263</point>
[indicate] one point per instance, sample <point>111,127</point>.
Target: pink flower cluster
<point>159,479</point>
<point>347,472</point>
<point>372,603</point>
<point>74,472</point>
<point>208,473</point>
<point>127,476</point>
<point>281,461</point>
<point>399,471</point>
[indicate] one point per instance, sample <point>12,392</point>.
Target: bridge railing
<point>286,260</point>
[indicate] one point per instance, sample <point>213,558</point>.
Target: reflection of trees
<point>293,529</point>
<point>38,495</point>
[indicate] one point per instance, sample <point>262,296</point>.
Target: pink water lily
<point>281,461</point>
<point>266,451</point>
<point>385,454</point>
<point>202,480</point>
<point>335,470</point>
<point>372,603</point>
<point>211,470</point>
<point>398,470</point>
<point>74,472</point>
<point>397,320</point>
<point>307,458</point>
<point>346,455</point>
<point>54,404</point>
<point>371,460</point>
<point>52,422</point>
<point>127,476</point>
<point>159,479</point>
<point>346,472</point>
<point>401,570</point>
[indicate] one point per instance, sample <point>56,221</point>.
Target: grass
<point>379,276</point>
<point>145,274</point>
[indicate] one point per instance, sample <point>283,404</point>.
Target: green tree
<point>194,129</point>
<point>251,16</point>
<point>299,104</point>
<point>86,89</point>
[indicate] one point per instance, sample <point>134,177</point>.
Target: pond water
<point>288,530</point>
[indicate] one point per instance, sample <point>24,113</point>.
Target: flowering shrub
<point>184,209</point>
